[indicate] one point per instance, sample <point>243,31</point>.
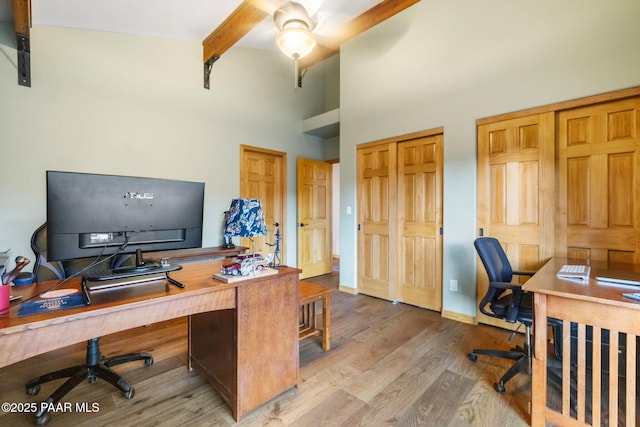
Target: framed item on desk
<point>57,299</point>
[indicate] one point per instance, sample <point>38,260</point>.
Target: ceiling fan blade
<point>242,20</point>
<point>372,17</point>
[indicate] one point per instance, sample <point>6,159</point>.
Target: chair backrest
<point>494,259</point>
<point>44,269</point>
<point>500,301</point>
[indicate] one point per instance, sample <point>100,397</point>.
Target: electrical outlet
<point>453,285</point>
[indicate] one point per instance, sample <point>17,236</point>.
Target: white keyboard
<point>635,296</point>
<point>574,272</point>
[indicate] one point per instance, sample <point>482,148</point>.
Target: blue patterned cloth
<point>245,219</point>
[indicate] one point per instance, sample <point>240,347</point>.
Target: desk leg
<point>326,319</point>
<point>189,365</point>
<point>539,374</point>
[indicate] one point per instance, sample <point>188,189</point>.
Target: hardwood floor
<point>389,364</point>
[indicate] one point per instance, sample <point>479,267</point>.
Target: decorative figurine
<point>275,261</point>
<point>8,277</point>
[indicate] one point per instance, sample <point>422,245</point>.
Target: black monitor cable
<point>93,263</point>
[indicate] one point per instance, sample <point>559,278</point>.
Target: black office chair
<point>95,365</point>
<point>507,301</point>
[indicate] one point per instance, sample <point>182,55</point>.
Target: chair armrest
<point>524,273</point>
<point>506,286</point>
<point>495,291</point>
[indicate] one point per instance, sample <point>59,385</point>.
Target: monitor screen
<point>90,214</point>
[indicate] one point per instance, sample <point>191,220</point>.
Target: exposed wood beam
<point>242,20</point>
<point>372,17</point>
<point>22,16</point>
<point>251,12</point>
<point>22,23</point>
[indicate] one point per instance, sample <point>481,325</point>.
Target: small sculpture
<point>8,277</point>
<point>275,261</point>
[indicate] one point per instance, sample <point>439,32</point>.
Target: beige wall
<point>450,62</point>
<point>131,105</point>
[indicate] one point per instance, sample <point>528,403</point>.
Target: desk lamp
<point>246,219</point>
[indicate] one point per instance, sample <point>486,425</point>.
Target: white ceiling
<point>179,19</point>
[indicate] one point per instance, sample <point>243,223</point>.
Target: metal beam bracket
<point>208,66</point>
<point>24,60</point>
<point>301,74</point>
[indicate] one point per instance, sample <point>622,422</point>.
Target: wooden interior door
<point>314,217</point>
<point>516,192</point>
<point>599,182</point>
<point>377,198</point>
<point>263,175</point>
<point>419,221</point>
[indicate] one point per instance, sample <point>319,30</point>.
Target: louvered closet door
<point>599,188</point>
<point>377,198</point>
<point>419,220</point>
<point>516,192</point>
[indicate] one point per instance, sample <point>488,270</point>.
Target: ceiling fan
<point>248,14</point>
<point>295,35</point>
<point>295,27</point>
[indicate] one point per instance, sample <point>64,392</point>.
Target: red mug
<point>5,290</point>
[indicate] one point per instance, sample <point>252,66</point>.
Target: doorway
<point>315,217</point>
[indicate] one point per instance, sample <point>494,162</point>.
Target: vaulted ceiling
<point>220,24</point>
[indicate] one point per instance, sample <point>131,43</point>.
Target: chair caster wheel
<point>129,394</point>
<point>499,387</point>
<point>148,362</point>
<point>32,391</point>
<point>43,419</point>
<point>472,356</point>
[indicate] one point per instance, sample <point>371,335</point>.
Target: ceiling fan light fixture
<point>294,42</point>
<point>294,38</point>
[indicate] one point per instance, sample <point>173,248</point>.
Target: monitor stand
<point>142,271</point>
<point>141,266</point>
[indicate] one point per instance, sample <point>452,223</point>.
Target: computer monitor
<point>90,214</point>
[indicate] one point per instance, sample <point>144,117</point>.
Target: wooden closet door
<point>377,198</point>
<point>599,182</point>
<point>263,175</point>
<point>419,222</point>
<point>516,192</point>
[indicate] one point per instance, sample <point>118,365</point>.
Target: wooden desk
<point>250,354</point>
<point>256,311</point>
<point>588,305</point>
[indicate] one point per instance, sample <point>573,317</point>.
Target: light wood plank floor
<point>389,364</point>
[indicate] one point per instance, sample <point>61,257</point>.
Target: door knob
<point>302,224</point>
